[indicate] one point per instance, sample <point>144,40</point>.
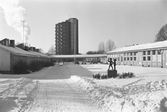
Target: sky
<point>125,22</point>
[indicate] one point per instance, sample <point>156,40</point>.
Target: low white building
<point>148,55</point>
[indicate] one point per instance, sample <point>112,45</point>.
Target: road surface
<point>50,90</point>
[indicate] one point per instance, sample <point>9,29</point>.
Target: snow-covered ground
<point>71,88</point>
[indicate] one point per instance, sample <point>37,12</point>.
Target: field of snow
<point>71,88</point>
<point>135,96</point>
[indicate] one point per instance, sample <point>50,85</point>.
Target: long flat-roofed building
<point>66,40</point>
<point>148,55</point>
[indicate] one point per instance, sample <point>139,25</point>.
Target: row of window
<point>144,53</point>
<point>128,59</point>
<point>131,53</point>
<point>149,52</point>
<point>148,58</point>
<point>134,58</point>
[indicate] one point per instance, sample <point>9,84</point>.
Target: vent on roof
<point>34,48</point>
<point>31,48</point>
<point>20,46</point>
<point>5,42</point>
<point>37,50</point>
<point>12,43</point>
<point>26,48</point>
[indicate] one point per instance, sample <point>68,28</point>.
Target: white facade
<point>147,55</point>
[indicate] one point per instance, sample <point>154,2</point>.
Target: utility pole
<point>74,51</point>
<point>23,30</point>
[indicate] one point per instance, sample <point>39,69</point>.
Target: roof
<point>79,56</point>
<point>155,45</point>
<point>18,51</point>
<point>39,54</point>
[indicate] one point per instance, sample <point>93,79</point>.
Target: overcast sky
<point>126,22</point>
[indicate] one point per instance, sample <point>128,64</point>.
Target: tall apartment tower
<point>66,40</point>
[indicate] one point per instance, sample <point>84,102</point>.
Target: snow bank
<point>132,97</point>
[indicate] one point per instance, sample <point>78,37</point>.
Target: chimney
<point>37,50</point>
<point>21,46</point>
<point>34,48</point>
<point>31,48</point>
<point>26,48</point>
<point>5,42</point>
<point>12,43</point>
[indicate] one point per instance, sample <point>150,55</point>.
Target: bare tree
<point>110,45</point>
<point>101,48</point>
<point>162,34</point>
<point>51,50</point>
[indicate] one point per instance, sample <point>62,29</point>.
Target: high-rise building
<point>66,40</point>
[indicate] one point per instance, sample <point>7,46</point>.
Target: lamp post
<point>74,49</point>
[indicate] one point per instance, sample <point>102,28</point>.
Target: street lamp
<point>74,49</point>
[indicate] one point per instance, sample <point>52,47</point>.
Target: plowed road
<point>50,90</point>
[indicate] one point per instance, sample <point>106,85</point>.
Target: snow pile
<point>132,97</point>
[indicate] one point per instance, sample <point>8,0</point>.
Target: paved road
<point>49,90</point>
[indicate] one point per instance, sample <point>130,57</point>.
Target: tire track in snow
<point>59,96</point>
<point>19,95</point>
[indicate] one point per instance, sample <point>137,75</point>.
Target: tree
<point>92,52</point>
<point>101,48</point>
<point>162,34</point>
<point>51,50</point>
<point>110,45</point>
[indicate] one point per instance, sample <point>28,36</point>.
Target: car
<point>76,62</point>
<point>60,63</point>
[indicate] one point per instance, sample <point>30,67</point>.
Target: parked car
<point>83,62</point>
<point>76,62</point>
<point>60,63</point>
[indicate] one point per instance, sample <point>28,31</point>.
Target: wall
<point>151,60</point>
<point>4,60</point>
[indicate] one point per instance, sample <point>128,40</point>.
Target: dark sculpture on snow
<point>114,64</point>
<point>113,72</point>
<point>110,64</point>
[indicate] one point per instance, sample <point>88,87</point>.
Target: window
<point>159,52</point>
<point>131,53</point>
<point>121,59</point>
<point>134,58</point>
<point>144,58</point>
<point>148,52</point>
<point>153,52</point>
<point>124,58</point>
<point>127,58</point>
<point>135,53</point>
<point>131,58</point>
<point>144,52</point>
<point>148,58</point>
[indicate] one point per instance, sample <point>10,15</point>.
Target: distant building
<point>66,37</point>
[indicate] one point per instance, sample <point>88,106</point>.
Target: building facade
<point>11,55</point>
<point>66,37</point>
<point>146,55</point>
